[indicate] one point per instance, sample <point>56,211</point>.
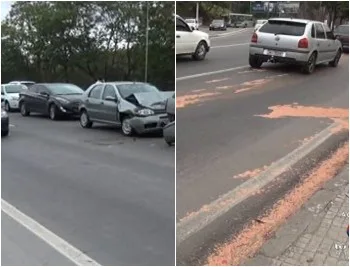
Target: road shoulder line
<point>62,246</point>
<point>210,73</point>
<point>195,223</point>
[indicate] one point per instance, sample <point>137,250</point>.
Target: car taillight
<point>303,43</point>
<point>254,38</point>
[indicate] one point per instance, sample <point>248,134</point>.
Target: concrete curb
<point>193,224</point>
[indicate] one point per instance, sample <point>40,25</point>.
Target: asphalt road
<point>109,196</point>
<point>219,135</point>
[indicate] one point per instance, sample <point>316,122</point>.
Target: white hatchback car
<point>191,42</point>
<point>10,95</point>
<point>296,41</point>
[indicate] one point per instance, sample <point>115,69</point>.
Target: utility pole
<point>146,53</point>
<point>197,12</point>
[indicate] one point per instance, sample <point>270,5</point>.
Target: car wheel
<point>85,120</point>
<point>200,52</point>
<point>255,62</point>
<point>53,112</point>
<point>24,109</point>
<point>126,127</point>
<point>309,67</point>
<point>335,61</point>
<point>7,106</point>
<point>5,133</point>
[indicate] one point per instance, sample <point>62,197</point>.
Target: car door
<point>109,106</point>
<point>42,99</point>
<point>331,43</point>
<point>185,43</point>
<point>94,102</point>
<point>31,98</point>
<point>321,42</point>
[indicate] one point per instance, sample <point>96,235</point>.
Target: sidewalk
<point>316,234</point>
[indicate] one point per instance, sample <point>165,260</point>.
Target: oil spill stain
<point>248,242</point>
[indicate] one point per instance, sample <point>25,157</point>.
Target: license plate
<point>274,53</point>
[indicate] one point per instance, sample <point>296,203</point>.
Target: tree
<point>80,42</point>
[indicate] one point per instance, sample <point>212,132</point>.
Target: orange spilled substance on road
<point>283,111</point>
<point>183,101</point>
<point>251,173</point>
<point>218,80</point>
<point>248,242</point>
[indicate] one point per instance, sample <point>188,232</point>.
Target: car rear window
<point>343,29</point>
<point>284,27</point>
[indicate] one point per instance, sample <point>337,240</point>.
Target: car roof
<point>292,19</point>
<point>13,82</point>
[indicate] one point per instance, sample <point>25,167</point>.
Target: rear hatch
<point>280,34</point>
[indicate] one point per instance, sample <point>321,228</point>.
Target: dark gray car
<point>135,106</point>
<point>169,129</point>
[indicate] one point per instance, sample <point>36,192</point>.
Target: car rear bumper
<point>289,55</point>
<point>169,132</point>
<point>5,124</point>
<point>149,124</point>
<point>13,103</point>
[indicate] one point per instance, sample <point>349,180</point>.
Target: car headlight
<point>145,112</point>
<point>3,114</point>
<point>63,100</point>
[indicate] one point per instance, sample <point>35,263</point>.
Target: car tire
<point>309,67</point>
<point>7,106</point>
<point>127,130</point>
<point>53,112</point>
<point>201,51</point>
<point>24,110</point>
<point>85,120</point>
<point>5,133</point>
<point>335,61</point>
<point>255,62</point>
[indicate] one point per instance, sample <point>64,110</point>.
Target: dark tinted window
<point>2,89</point>
<point>313,35</point>
<point>342,29</point>
<point>320,31</point>
<point>329,33</point>
<point>64,89</point>
<point>181,25</point>
<point>109,91</point>
<point>283,27</point>
<point>126,90</point>
<point>13,88</point>
<point>96,91</point>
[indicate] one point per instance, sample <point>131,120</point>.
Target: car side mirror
<point>111,98</point>
<point>2,93</point>
<point>192,28</point>
<point>44,94</point>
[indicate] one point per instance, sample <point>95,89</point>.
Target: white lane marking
<point>62,246</point>
<point>12,125</point>
<point>231,45</point>
<point>195,223</point>
<point>210,73</point>
<point>229,34</point>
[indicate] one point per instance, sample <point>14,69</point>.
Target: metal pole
<point>197,12</point>
<point>146,53</point>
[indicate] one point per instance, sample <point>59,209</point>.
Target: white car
<point>259,23</point>
<point>10,95</point>
<point>25,83</point>
<point>191,42</point>
<point>192,23</point>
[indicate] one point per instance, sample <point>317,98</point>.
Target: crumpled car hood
<point>154,101</point>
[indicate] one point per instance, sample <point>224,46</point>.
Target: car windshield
<point>190,21</point>
<point>284,27</point>
<point>13,89</point>
<point>126,90</point>
<point>218,21</point>
<point>343,29</point>
<point>64,89</point>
